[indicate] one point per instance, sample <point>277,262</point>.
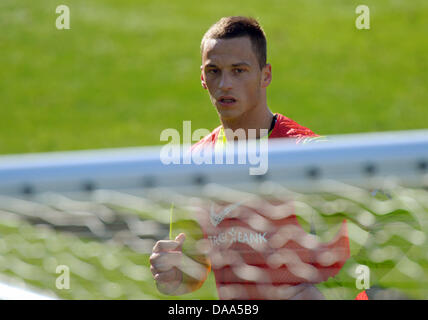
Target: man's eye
<point>238,70</point>
<point>212,71</point>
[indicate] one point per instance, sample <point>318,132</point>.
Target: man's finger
<point>165,261</point>
<point>169,245</point>
<point>168,276</point>
<point>180,239</point>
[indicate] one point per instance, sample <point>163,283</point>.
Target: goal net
<point>344,216</point>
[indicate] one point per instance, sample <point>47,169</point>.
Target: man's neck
<point>251,120</point>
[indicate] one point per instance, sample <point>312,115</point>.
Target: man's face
<point>232,75</point>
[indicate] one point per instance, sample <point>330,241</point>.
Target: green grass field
<point>127,70</point>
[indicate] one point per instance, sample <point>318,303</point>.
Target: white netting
<point>261,237</point>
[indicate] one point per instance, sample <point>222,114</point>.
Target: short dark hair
<point>237,26</point>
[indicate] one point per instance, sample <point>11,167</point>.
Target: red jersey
<point>258,248</point>
<point>284,128</point>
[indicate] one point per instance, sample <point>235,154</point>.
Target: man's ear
<point>266,75</point>
<point>204,85</point>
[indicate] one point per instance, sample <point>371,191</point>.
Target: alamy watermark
<point>239,149</point>
<point>363,20</point>
<point>63,280</point>
<point>363,277</point>
<point>63,20</point>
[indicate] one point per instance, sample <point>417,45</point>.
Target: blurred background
<point>126,70</point>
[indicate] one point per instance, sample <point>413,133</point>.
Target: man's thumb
<point>180,238</point>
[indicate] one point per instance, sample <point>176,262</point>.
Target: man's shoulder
<point>208,140</point>
<point>286,127</point>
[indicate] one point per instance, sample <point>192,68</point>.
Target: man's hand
<point>165,263</point>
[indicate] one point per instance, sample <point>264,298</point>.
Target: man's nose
<point>225,81</point>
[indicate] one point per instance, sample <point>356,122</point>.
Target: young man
<point>256,252</point>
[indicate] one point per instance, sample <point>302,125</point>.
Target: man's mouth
<point>227,100</point>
